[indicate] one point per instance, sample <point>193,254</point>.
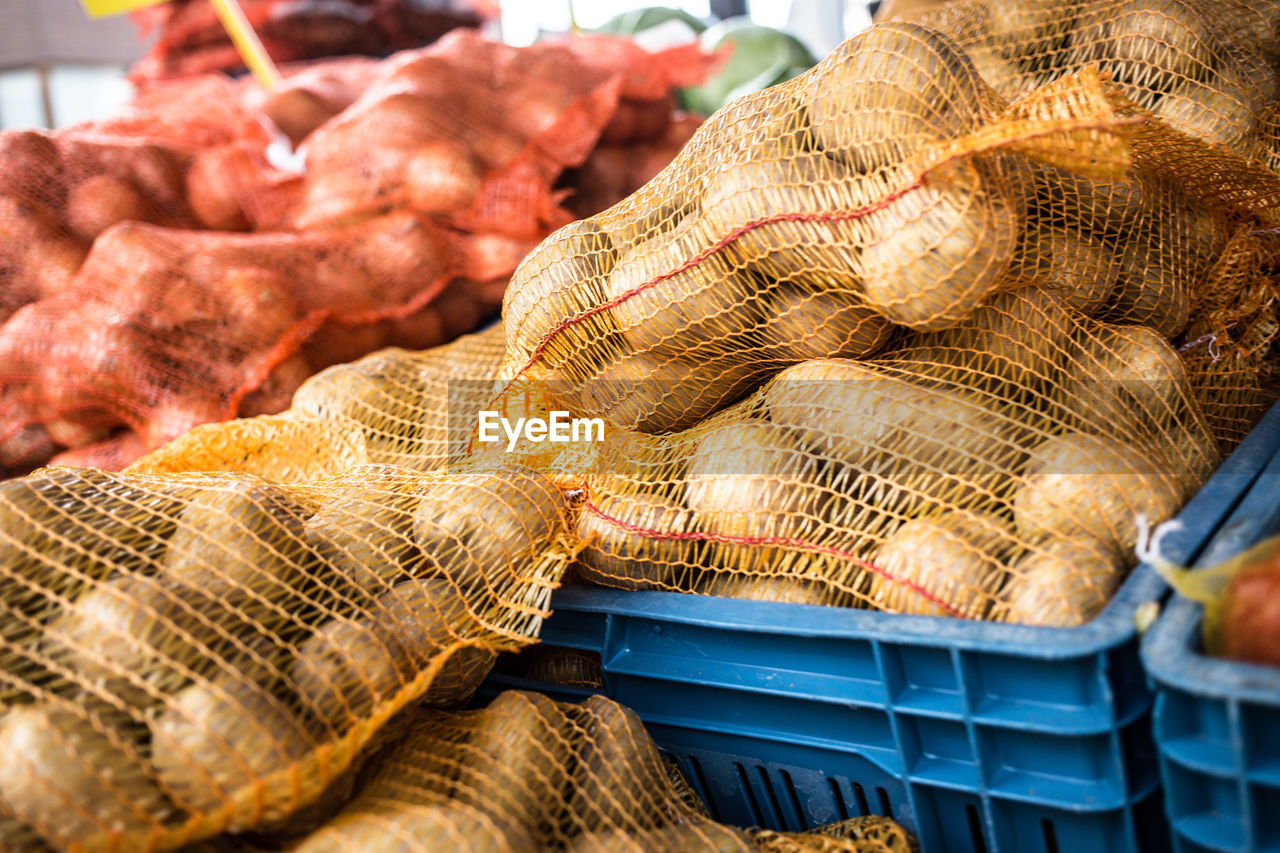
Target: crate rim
<point>1171,650</point>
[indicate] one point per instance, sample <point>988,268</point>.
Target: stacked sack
<point>878,337</point>
<point>881,337</point>
<point>178,264</point>
<point>189,38</point>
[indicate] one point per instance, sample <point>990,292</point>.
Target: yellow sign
<point>106,8</point>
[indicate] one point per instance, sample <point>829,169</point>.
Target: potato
<point>826,324</point>
<point>655,394</point>
<point>619,779</point>
<point>1079,484</point>
<point>145,636</point>
<point>484,528</point>
<point>391,827</point>
<point>242,539</point>
<point>560,665</point>
<point>817,255</point>
<point>213,187</point>
<point>489,256</point>
<point>1152,288</point>
<point>1001,73</point>
<point>922,443</point>
<point>119,523</point>
<point>619,557</point>
<point>1079,268</point>
<point>1019,337</point>
<point>1027,29</point>
<point>351,665</point>
<point>768,124</point>
<point>946,564</point>
<point>414,409</point>
<point>751,478</point>
<point>74,777</point>
<point>400,250</point>
<point>1061,583</point>
<point>296,110</point>
<point>1123,378</point>
<point>217,739</point>
<point>783,588</point>
<point>1095,206</point>
<point>99,202</point>
<point>563,277</point>
<point>1195,455</point>
<point>938,251</point>
<point>442,177</point>
<point>888,91</point>
<point>378,392</point>
<point>1148,44</point>
<point>516,760</point>
<point>662,305</point>
<point>364,532</point>
<point>17,837</point>
<point>1218,112</point>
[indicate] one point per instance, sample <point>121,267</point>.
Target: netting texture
<point>885,336</point>
<point>176,265</point>
<point>890,335</point>
<point>187,36</point>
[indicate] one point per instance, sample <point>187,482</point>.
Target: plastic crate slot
<point>861,795</point>
<point>790,787</point>
<point>753,802</point>
<point>886,807</point>
<point>703,788</point>
<point>841,809</point>
<point>975,829</point>
<point>1050,835</point>
<point>767,784</point>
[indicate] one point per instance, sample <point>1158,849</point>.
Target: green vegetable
<point>639,20</point>
<point>760,57</point>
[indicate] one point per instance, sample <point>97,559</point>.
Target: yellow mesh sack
<point>187,654</point>
<point>394,407</point>
<point>529,773</point>
<point>987,338</point>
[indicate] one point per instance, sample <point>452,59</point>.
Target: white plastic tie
<point>1215,352</point>
<point>280,153</point>
<point>1149,546</point>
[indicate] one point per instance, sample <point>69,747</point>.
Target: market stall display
<point>879,337</point>
<point>166,268</point>
<point>189,38</point>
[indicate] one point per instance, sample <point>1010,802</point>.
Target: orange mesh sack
<point>528,773</point>
<point>189,38</point>
<point>880,337</point>
<point>394,407</point>
<point>173,265</point>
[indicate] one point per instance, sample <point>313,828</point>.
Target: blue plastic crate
<point>975,736</point>
<point>1217,722</point>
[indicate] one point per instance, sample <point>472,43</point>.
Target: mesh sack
<point>408,242</point>
<point>210,325</point>
<point>188,654</point>
<point>409,409</point>
<point>1208,71</point>
<point>997,333</point>
<point>190,39</point>
<point>481,130</point>
<point>529,773</point>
